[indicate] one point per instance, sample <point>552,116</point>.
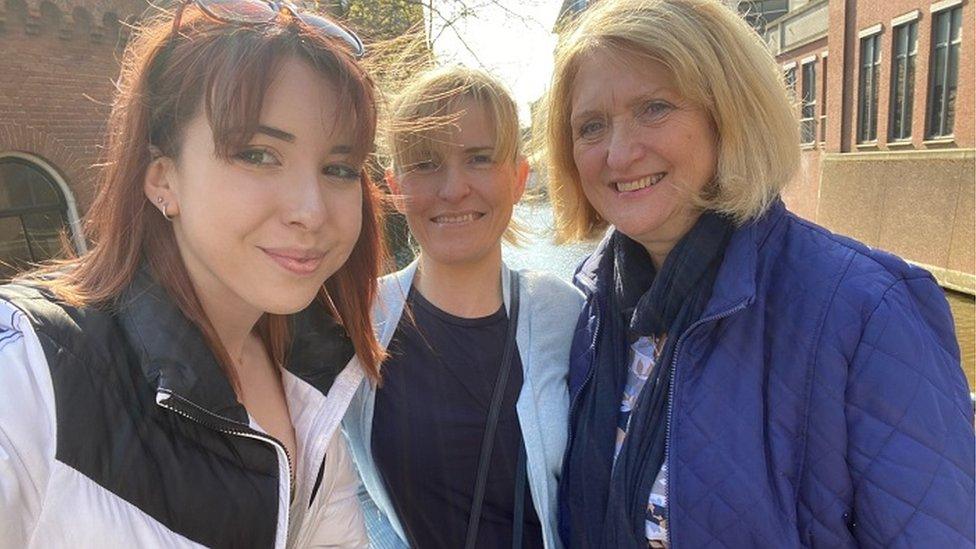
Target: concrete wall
<point>917,204</point>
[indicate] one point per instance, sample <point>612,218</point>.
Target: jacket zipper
<point>164,399</point>
<point>674,383</point>
<point>572,410</point>
<point>586,381</point>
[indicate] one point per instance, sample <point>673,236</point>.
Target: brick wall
<point>863,15</point>
<point>57,62</point>
<point>802,194</point>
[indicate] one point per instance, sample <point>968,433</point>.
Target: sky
<point>511,39</point>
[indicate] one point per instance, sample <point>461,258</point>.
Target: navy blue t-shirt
<point>428,425</point>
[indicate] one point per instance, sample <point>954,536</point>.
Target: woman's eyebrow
<point>285,136</point>
<point>276,133</point>
<point>576,117</point>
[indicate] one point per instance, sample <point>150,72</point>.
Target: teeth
<point>454,218</point>
<point>641,183</point>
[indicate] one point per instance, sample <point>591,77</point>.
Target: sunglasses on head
<point>262,12</point>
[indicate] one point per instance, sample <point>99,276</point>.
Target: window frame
<point>904,50</point>
<point>868,73</point>
<point>65,208</point>
<point>808,101</point>
<point>823,97</point>
<point>789,78</point>
<point>939,114</point>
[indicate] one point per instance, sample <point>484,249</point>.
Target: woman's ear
<point>394,184</point>
<point>157,184</point>
<point>521,177</point>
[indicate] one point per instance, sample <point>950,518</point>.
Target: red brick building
<point>886,97</point>
<point>58,60</point>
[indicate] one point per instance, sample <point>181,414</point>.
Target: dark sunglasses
<point>262,12</point>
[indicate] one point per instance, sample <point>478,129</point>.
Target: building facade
<point>59,59</point>
<point>885,93</point>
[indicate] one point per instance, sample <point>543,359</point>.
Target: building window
<point>867,97</point>
<point>944,71</point>
<point>905,46</point>
<point>808,105</point>
<point>33,213</point>
<point>789,75</point>
<point>823,99</point>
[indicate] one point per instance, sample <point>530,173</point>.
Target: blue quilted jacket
<point>817,402</point>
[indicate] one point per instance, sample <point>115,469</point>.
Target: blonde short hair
<point>427,107</point>
<point>718,62</point>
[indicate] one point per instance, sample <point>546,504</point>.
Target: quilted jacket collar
<point>736,281</point>
<point>175,357</point>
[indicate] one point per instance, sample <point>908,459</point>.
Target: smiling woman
<point>738,374</point>
<point>461,445</point>
<point>151,393</point>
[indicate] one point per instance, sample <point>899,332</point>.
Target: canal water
<point>540,253</point>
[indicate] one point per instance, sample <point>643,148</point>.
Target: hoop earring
<point>163,206</point>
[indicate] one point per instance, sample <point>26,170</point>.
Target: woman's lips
<point>300,262</point>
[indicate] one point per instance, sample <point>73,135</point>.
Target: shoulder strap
<point>488,441</point>
<point>518,516</point>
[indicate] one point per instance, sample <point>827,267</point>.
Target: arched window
<point>33,212</point>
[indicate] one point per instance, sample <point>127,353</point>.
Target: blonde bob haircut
<point>424,112</point>
<point>717,62</point>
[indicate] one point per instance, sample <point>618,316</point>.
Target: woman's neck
<point>467,290</point>
<point>234,326</point>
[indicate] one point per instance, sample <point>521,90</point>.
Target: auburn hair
<point>224,69</point>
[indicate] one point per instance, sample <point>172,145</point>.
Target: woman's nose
<point>304,201</point>
<point>455,185</point>
<point>623,148</point>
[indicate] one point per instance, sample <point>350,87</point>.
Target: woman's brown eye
<point>257,157</point>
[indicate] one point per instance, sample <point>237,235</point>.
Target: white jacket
<point>116,431</point>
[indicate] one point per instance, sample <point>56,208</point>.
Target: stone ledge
<point>957,281</point>
<point>874,156</point>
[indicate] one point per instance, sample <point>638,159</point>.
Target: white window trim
<point>905,18</point>
<point>790,65</point>
<point>944,5</point>
<point>823,54</point>
<point>870,31</point>
<point>809,59</point>
<point>74,221</point>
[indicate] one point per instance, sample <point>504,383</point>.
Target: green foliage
<point>383,19</point>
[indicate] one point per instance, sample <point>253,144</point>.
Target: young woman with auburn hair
<point>150,392</point>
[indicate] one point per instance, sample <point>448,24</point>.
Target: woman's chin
<point>285,304</point>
